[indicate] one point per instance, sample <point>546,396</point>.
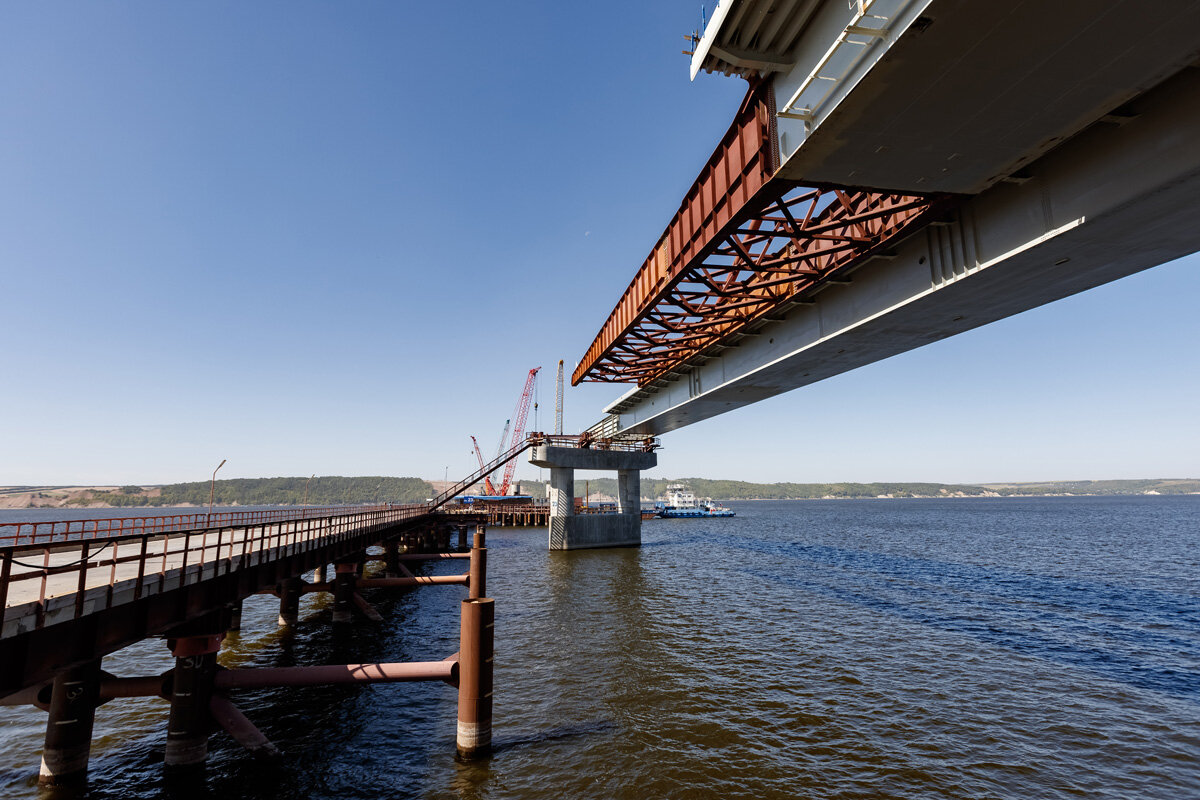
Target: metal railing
<point>49,531</point>
<point>632,443</point>
<point>149,562</point>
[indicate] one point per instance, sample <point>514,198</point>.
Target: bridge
<point>901,171</point>
<point>74,591</point>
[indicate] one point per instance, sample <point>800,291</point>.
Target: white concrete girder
<point>1114,200</point>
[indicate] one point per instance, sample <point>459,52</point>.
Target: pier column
<point>462,537</point>
<point>73,700</point>
<point>569,531</point>
<point>235,616</point>
<point>477,580</point>
<point>190,721</point>
<point>391,558</point>
<point>475,677</point>
<point>289,601</point>
<point>629,491</point>
<point>343,593</point>
<point>562,492</point>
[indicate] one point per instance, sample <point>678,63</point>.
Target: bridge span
<point>902,171</point>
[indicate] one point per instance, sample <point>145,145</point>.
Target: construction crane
<point>519,427</point>
<point>489,489</point>
<point>517,424</point>
<point>558,400</point>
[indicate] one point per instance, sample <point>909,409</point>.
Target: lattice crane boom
<point>518,428</point>
<point>558,400</point>
<point>487,479</point>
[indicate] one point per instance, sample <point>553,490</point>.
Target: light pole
<point>212,489</point>
<point>306,483</point>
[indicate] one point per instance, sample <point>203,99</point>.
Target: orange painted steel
<point>743,243</point>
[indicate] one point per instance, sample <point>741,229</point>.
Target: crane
<point>487,479</point>
<point>517,424</point>
<point>558,400</point>
<point>519,427</point>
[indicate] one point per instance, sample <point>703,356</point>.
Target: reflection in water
<point>908,649</point>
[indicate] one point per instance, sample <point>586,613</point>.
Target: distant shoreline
<point>350,491</point>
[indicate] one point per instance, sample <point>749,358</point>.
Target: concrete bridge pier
<point>571,531</point>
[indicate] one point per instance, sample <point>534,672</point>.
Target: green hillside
<point>323,491</point>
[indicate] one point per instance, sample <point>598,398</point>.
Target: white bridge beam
<point>1117,198</point>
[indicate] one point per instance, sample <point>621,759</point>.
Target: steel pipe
<point>329,674</point>
<point>475,677</point>
<point>420,580</point>
<point>243,731</point>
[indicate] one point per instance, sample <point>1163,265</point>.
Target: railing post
<point>475,677</point>
<point>73,700</point>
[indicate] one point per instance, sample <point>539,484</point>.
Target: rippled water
<point>972,648</point>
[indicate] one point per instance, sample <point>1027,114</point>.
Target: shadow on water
<point>578,731</point>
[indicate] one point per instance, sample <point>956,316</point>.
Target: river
<point>967,648</point>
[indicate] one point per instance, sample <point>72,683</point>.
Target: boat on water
<point>680,501</point>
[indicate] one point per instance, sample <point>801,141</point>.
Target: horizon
<point>645,477</point>
<point>204,262</point>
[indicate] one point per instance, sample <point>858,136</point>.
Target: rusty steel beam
<point>742,244</point>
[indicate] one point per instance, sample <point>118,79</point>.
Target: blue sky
<point>332,238</point>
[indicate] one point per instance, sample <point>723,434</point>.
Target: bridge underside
<point>901,171</point>
<point>1117,199</point>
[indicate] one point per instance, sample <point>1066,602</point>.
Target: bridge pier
<point>570,531</point>
<point>290,592</point>
<point>190,720</point>
<point>73,700</point>
<point>476,642</point>
<point>344,585</point>
<point>235,616</point>
<point>391,558</point>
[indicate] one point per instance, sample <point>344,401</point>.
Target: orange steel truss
<point>742,245</point>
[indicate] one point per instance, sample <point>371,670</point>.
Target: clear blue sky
<point>332,237</point>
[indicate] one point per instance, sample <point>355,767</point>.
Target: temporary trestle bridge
<point>76,591</point>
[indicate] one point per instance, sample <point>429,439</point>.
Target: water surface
<point>967,648</point>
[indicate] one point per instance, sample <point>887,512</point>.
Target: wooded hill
<point>322,491</point>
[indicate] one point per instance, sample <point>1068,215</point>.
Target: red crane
<point>517,424</point>
<point>518,432</point>
<point>487,479</point>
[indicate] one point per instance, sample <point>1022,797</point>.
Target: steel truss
<point>792,243</point>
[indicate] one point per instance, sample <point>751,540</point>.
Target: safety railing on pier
<point>88,572</point>
<point>593,439</point>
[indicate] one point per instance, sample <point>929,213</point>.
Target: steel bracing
<point>742,245</point>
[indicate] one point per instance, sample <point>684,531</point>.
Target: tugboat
<point>681,502</point>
